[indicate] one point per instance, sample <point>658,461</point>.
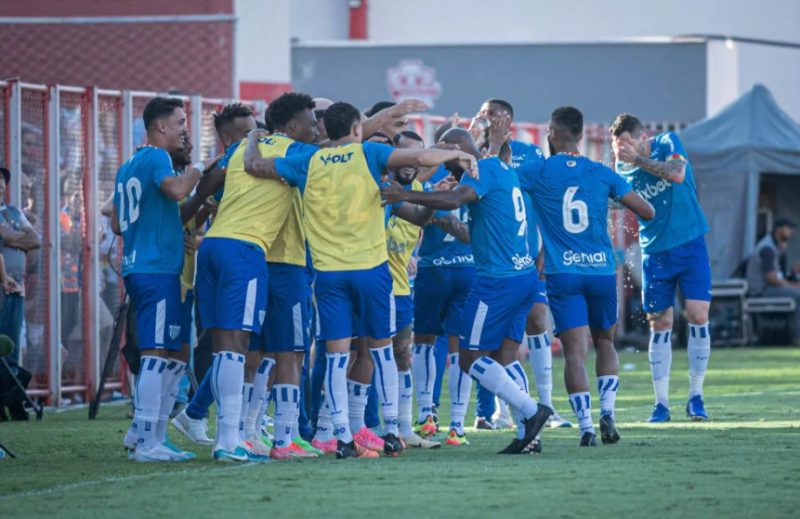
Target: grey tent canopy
<point>730,153</point>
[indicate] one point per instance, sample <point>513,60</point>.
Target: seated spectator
<point>767,274</point>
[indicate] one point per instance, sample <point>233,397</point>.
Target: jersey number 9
<point>133,190</point>
<point>519,211</point>
<point>570,207</point>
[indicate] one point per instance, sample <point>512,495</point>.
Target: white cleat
<point>257,446</point>
<point>555,421</point>
<point>129,440</point>
<point>153,453</point>
<point>415,440</point>
<point>195,430</point>
<point>503,423</point>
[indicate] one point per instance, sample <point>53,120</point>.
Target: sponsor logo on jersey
<point>585,259</point>
<point>336,159</point>
<point>454,260</point>
<point>653,190</point>
<point>174,331</point>
<point>522,262</point>
<point>129,260</point>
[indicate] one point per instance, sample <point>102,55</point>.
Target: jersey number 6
<point>570,207</point>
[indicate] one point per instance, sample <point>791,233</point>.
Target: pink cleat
<point>369,440</point>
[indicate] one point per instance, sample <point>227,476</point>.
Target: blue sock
<point>484,406</point>
<point>372,416</point>
<point>304,421</point>
<point>201,401</point>
<point>317,382</point>
<point>440,351</point>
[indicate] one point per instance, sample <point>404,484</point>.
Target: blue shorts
<point>156,299</point>
<point>186,317</point>
<point>582,300</point>
<point>686,266</point>
<point>496,309</point>
<point>403,311</point>
<point>231,284</point>
<point>288,322</point>
<point>355,302</point>
<point>439,296</point>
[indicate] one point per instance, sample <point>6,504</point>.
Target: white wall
<point>482,21</point>
<point>722,71</point>
<point>776,68</point>
<point>263,41</point>
<point>319,20</point>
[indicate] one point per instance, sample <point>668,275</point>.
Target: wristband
<point>199,166</point>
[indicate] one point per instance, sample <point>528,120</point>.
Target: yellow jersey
<point>343,219</point>
<point>253,209</point>
<point>401,238</point>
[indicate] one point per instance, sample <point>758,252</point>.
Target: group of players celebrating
<point>316,220</point>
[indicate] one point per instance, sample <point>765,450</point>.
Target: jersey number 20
<point>570,207</point>
<point>133,191</point>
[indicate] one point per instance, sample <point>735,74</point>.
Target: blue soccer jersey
<point>570,197</point>
<point>438,248</point>
<point>523,152</point>
<point>150,222</point>
<point>498,224</point>
<point>679,218</point>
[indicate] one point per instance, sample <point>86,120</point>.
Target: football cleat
<point>608,430</point>
<point>299,452</point>
<point>588,440</point>
<point>455,439</point>
<point>369,440</point>
<point>427,427</point>
<point>281,453</point>
<point>415,440</point>
<point>156,453</point>
<point>328,447</point>
<point>241,454</point>
<point>535,424</point>
<point>258,446</point>
<point>515,447</point>
<point>300,442</point>
<point>266,440</point>
<point>483,424</point>
<point>180,454</point>
<point>696,410</point>
<point>535,447</point>
<point>392,446</point>
<point>503,423</point>
<point>660,414</point>
<point>129,440</point>
<point>557,421</point>
<point>435,415</point>
<point>195,430</point>
<point>353,450</point>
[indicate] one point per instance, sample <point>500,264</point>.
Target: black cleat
<point>608,430</point>
<point>392,446</point>
<point>515,447</point>
<point>536,446</point>
<point>535,424</point>
<point>346,450</point>
<point>588,440</point>
<point>435,415</point>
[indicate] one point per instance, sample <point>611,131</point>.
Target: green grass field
<point>744,463</point>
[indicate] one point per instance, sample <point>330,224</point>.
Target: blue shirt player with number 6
<point>570,196</point>
<point>146,214</point>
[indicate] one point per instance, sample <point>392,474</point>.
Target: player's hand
<point>446,146</point>
<point>189,244</point>
<point>407,106</point>
<point>478,128</point>
<point>468,164</point>
<point>256,134</point>
<point>625,149</point>
<point>392,192</point>
<point>412,266</point>
<point>499,133</point>
<point>206,165</point>
<point>446,184</point>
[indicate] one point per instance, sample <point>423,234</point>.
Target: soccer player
<point>493,318</point>
<point>344,225</point>
<point>146,214</point>
<point>499,112</point>
<point>674,254</point>
<point>320,105</point>
<point>232,124</point>
<point>570,195</point>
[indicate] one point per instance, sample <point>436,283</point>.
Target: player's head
<point>293,114</point>
<point>463,139</point>
<point>381,138</point>
<point>4,184</point>
<point>343,122</point>
<point>393,128</point>
<point>320,105</point>
<point>566,129</point>
<point>494,108</point>
<point>782,231</point>
<point>407,140</point>
<point>628,126</point>
<point>165,123</point>
<point>233,123</point>
<point>183,157</point>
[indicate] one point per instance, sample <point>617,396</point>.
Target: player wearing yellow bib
<point>344,224</point>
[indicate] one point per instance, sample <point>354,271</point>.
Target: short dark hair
<point>626,123</point>
<point>158,108</point>
<point>505,104</point>
<point>261,126</point>
<point>339,118</point>
<point>408,134</point>
<point>229,113</point>
<point>6,174</point>
<point>780,222</point>
<point>283,109</point>
<point>441,130</point>
<point>377,107</point>
<point>568,118</point>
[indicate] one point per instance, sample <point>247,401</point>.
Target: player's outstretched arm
<point>638,205</point>
<point>452,199</point>
<point>254,163</point>
<point>387,115</point>
<point>178,187</point>
<point>454,227</point>
<point>430,157</point>
<point>413,213</point>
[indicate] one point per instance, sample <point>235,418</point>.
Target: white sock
<point>698,349</point>
<point>287,397</point>
<point>324,431</point>
<point>357,404</point>
<point>148,400</point>
<point>493,377</point>
<point>607,386</point>
<point>541,358</point>
<point>404,416</point>
<point>386,383</point>
<point>460,386</point>
<point>423,365</point>
<point>520,378</point>
<point>659,353</point>
<point>227,381</point>
<point>171,377</point>
<point>582,405</point>
<point>247,396</point>
<point>252,425</point>
<point>296,422</point>
<point>336,394</point>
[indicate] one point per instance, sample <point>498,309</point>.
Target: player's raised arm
<point>454,227</point>
<point>254,163</point>
<point>430,157</point>
<point>452,199</point>
<point>178,187</point>
<point>387,115</point>
<point>638,205</point>
<point>627,150</point>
